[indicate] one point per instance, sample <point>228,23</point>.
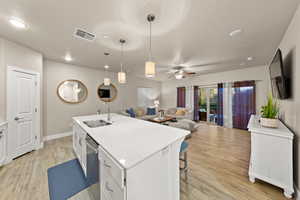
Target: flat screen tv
<point>279,82</point>
<point>104,93</point>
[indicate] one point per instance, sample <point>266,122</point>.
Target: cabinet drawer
<point>111,167</point>
<point>110,189</point>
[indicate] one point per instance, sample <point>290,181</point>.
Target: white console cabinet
<point>271,155</point>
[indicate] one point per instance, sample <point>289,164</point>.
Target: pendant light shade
<point>106,80</point>
<point>122,77</point>
<point>150,69</point>
<point>122,74</point>
<point>150,65</point>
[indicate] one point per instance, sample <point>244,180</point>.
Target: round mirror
<point>107,93</point>
<point>72,91</point>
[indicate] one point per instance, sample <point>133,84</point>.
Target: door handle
<point>107,165</point>
<point>18,118</point>
<point>108,188</point>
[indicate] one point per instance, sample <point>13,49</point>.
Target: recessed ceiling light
<point>235,32</point>
<point>18,23</point>
<point>106,67</point>
<point>68,58</point>
<point>250,58</point>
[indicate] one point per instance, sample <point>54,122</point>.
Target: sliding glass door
<point>213,105</point>
<point>208,103</point>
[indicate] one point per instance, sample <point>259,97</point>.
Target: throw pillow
<point>151,111</point>
<point>180,112</point>
<point>140,112</point>
<point>131,112</point>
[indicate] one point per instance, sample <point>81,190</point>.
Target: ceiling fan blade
<point>225,62</point>
<point>190,73</point>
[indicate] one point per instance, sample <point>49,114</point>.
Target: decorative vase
<point>270,123</point>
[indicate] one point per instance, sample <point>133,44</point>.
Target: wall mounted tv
<point>104,93</point>
<point>279,81</point>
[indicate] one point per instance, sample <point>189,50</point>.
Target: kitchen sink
<point>96,123</point>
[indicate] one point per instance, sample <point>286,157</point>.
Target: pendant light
<point>150,65</point>
<point>122,74</point>
<point>106,79</point>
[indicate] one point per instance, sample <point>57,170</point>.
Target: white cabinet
<point>138,160</point>
<point>79,145</point>
<point>156,177</point>
<point>3,136</point>
<point>271,155</point>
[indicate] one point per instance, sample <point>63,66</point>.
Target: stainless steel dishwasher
<point>93,174</point>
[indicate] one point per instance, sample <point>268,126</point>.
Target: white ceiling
<point>187,32</point>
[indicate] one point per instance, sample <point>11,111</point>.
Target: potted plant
<point>269,114</point>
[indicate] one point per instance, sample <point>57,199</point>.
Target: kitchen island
<point>137,159</point>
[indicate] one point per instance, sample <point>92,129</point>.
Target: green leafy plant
<point>271,109</point>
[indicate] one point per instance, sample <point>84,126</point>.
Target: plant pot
<point>270,123</point>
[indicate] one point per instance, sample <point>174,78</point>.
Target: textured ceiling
<point>185,32</point>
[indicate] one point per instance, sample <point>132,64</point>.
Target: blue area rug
<point>66,180</point>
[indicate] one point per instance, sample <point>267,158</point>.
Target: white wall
<point>2,83</point>
<point>290,108</point>
<point>260,74</point>
<point>12,54</point>
<point>57,118</point>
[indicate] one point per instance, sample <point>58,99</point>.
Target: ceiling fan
<point>179,72</point>
<point>183,71</point>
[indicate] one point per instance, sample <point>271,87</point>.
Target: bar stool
<point>183,157</point>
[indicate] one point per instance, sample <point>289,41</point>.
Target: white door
<point>21,112</point>
<point>2,145</point>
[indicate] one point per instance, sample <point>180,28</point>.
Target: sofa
<point>179,113</point>
<point>140,113</point>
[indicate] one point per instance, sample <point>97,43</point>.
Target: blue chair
<point>183,157</point>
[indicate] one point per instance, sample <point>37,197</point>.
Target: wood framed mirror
<point>107,93</point>
<point>72,91</point>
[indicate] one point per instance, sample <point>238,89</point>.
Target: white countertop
<point>281,131</point>
<point>129,140</point>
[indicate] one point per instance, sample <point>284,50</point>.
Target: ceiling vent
<point>79,33</point>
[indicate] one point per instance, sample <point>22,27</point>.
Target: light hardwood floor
<point>218,160</point>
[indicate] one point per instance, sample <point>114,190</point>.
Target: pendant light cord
<point>150,42</point>
<point>122,53</point>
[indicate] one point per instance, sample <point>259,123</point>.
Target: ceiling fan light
<point>179,76</point>
<point>106,81</point>
<point>150,69</point>
<point>122,77</point>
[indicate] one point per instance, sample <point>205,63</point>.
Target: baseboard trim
<point>57,136</point>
